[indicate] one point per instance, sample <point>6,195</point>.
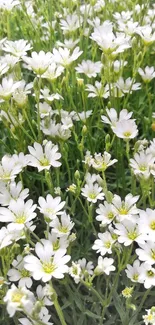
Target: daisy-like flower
<point>103,245</point>
<point>45,94</point>
<point>5,238</point>
<point>45,110</point>
<point>71,23</point>
<point>68,43</point>
<point>119,65</point>
<point>12,191</point>
<point>113,117</point>
<point>17,48</point>
<point>134,272</point>
<point>19,273</point>
<point>4,67</point>
<point>142,163</point>
<point>53,71</point>
<point>125,209</point>
<point>8,168</point>
<point>149,318</point>
<point>93,192</point>
<point>57,241</point>
<point>148,275</point>
<point>75,271</point>
<point>86,268</point>
<point>102,162</point>
<point>43,299</point>
<point>106,213</point>
<point>51,207</point>
<point>63,226</point>
<point>48,264</point>
<point>146,252</point>
<point>19,213</point>
<point>126,129</point>
<point>38,62</point>
<point>7,88</point>
<point>44,319</point>
<point>128,232</point>
<point>99,90</point>
<point>147,223</point>
<point>21,92</point>
<point>18,299</point>
<point>10,60</point>
<point>89,68</point>
<point>127,85</point>
<point>9,4</point>
<point>64,56</point>
<point>105,265</point>
<point>147,74</point>
<point>147,34</point>
<point>110,43</point>
<point>44,156</point>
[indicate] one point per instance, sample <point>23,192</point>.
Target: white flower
<point>105,265</point>
<point>109,42</point>
<point>89,68</point>
<point>64,57</point>
<point>75,271</point>
<point>18,299</point>
<point>125,209</point>
<point>38,62</point>
<point>126,129</point>
<point>149,318</point>
<point>18,273</point>
<point>69,43</point>
<point>127,85</point>
<point>98,90</point>
<point>106,213</point>
<point>18,212</point>
<point>43,157</point>
<point>92,192</point>
<point>147,223</point>
<point>119,65</point>
<point>134,272</point>
<point>86,268</point>
<point>146,252</point>
<point>53,71</point>
<point>51,207</point>
<point>103,245</point>
<point>147,74</point>
<point>17,48</point>
<point>44,109</point>
<point>113,117</point>
<point>21,92</point>
<point>4,67</point>
<point>9,4</point>
<point>148,275</point>
<point>147,34</point>
<point>5,238</point>
<point>10,60</point>
<point>48,264</point>
<point>8,168</point>
<point>45,94</point>
<point>7,88</point>
<point>12,191</point>
<point>63,226</point>
<point>57,241</point>
<point>70,23</point>
<point>102,162</point>
<point>128,232</point>
<point>43,299</point>
<point>142,163</point>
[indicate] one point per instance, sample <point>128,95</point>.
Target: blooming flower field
<point>77,162</point>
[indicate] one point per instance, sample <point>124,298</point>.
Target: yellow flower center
<point>20,219</point>
<point>127,134</point>
<point>92,196</point>
<point>48,267</point>
<point>107,244</point>
<point>110,215</point>
<point>63,229</point>
<point>25,273</point>
<point>44,161</point>
<point>152,225</point>
<point>135,277</point>
<point>56,245</point>
<point>17,296</point>
<point>142,168</point>
<point>150,273</point>
<point>132,235</point>
<point>123,210</point>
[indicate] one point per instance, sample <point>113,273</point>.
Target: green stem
<point>57,306</point>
